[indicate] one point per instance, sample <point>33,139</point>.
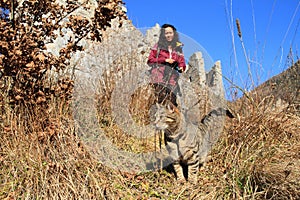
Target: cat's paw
<point>193,180</point>
<point>181,180</point>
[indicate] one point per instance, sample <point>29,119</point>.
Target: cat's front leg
<point>193,170</point>
<point>179,172</point>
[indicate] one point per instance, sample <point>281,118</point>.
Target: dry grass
<point>41,156</point>
<point>257,157</point>
<point>260,153</point>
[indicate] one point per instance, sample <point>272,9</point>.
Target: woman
<point>167,61</point>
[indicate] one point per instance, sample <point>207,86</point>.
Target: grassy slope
<point>257,157</point>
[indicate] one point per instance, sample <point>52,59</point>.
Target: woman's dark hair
<point>163,43</point>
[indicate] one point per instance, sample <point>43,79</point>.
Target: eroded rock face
<point>112,83</point>
<point>117,67</point>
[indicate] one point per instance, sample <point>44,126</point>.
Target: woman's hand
<point>180,69</point>
<point>170,60</point>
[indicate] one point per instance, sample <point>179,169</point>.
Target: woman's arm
<point>154,58</point>
<point>181,62</point>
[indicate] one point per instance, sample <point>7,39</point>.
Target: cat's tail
<point>212,125</point>
<point>219,112</point>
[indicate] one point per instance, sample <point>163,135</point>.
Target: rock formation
<point>115,73</point>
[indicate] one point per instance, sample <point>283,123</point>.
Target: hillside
<point>285,87</point>
<point>43,154</point>
<point>279,92</point>
<point>257,157</point>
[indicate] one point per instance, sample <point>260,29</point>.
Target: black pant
<point>164,93</point>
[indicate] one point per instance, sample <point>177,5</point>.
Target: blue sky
<point>269,30</point>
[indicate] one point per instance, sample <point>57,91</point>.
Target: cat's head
<point>167,116</point>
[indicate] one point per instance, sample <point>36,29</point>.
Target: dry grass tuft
<point>257,157</point>
<point>259,153</point>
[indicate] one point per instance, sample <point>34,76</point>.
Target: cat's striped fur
<point>186,142</point>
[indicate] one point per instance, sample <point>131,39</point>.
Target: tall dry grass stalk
<point>259,153</point>
<point>40,160</point>
<point>41,156</point>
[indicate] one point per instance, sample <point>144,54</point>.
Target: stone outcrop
<point>115,73</point>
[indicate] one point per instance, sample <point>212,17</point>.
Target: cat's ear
<point>172,107</point>
<point>175,109</point>
<point>169,106</point>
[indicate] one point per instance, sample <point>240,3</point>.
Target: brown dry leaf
<point>40,99</point>
<point>30,65</point>
<point>40,93</point>
<point>18,52</point>
<point>4,44</point>
<point>18,97</point>
<point>18,90</point>
<point>40,57</point>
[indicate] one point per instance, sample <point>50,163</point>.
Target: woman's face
<point>169,34</point>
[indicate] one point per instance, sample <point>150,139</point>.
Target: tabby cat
<point>187,144</point>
